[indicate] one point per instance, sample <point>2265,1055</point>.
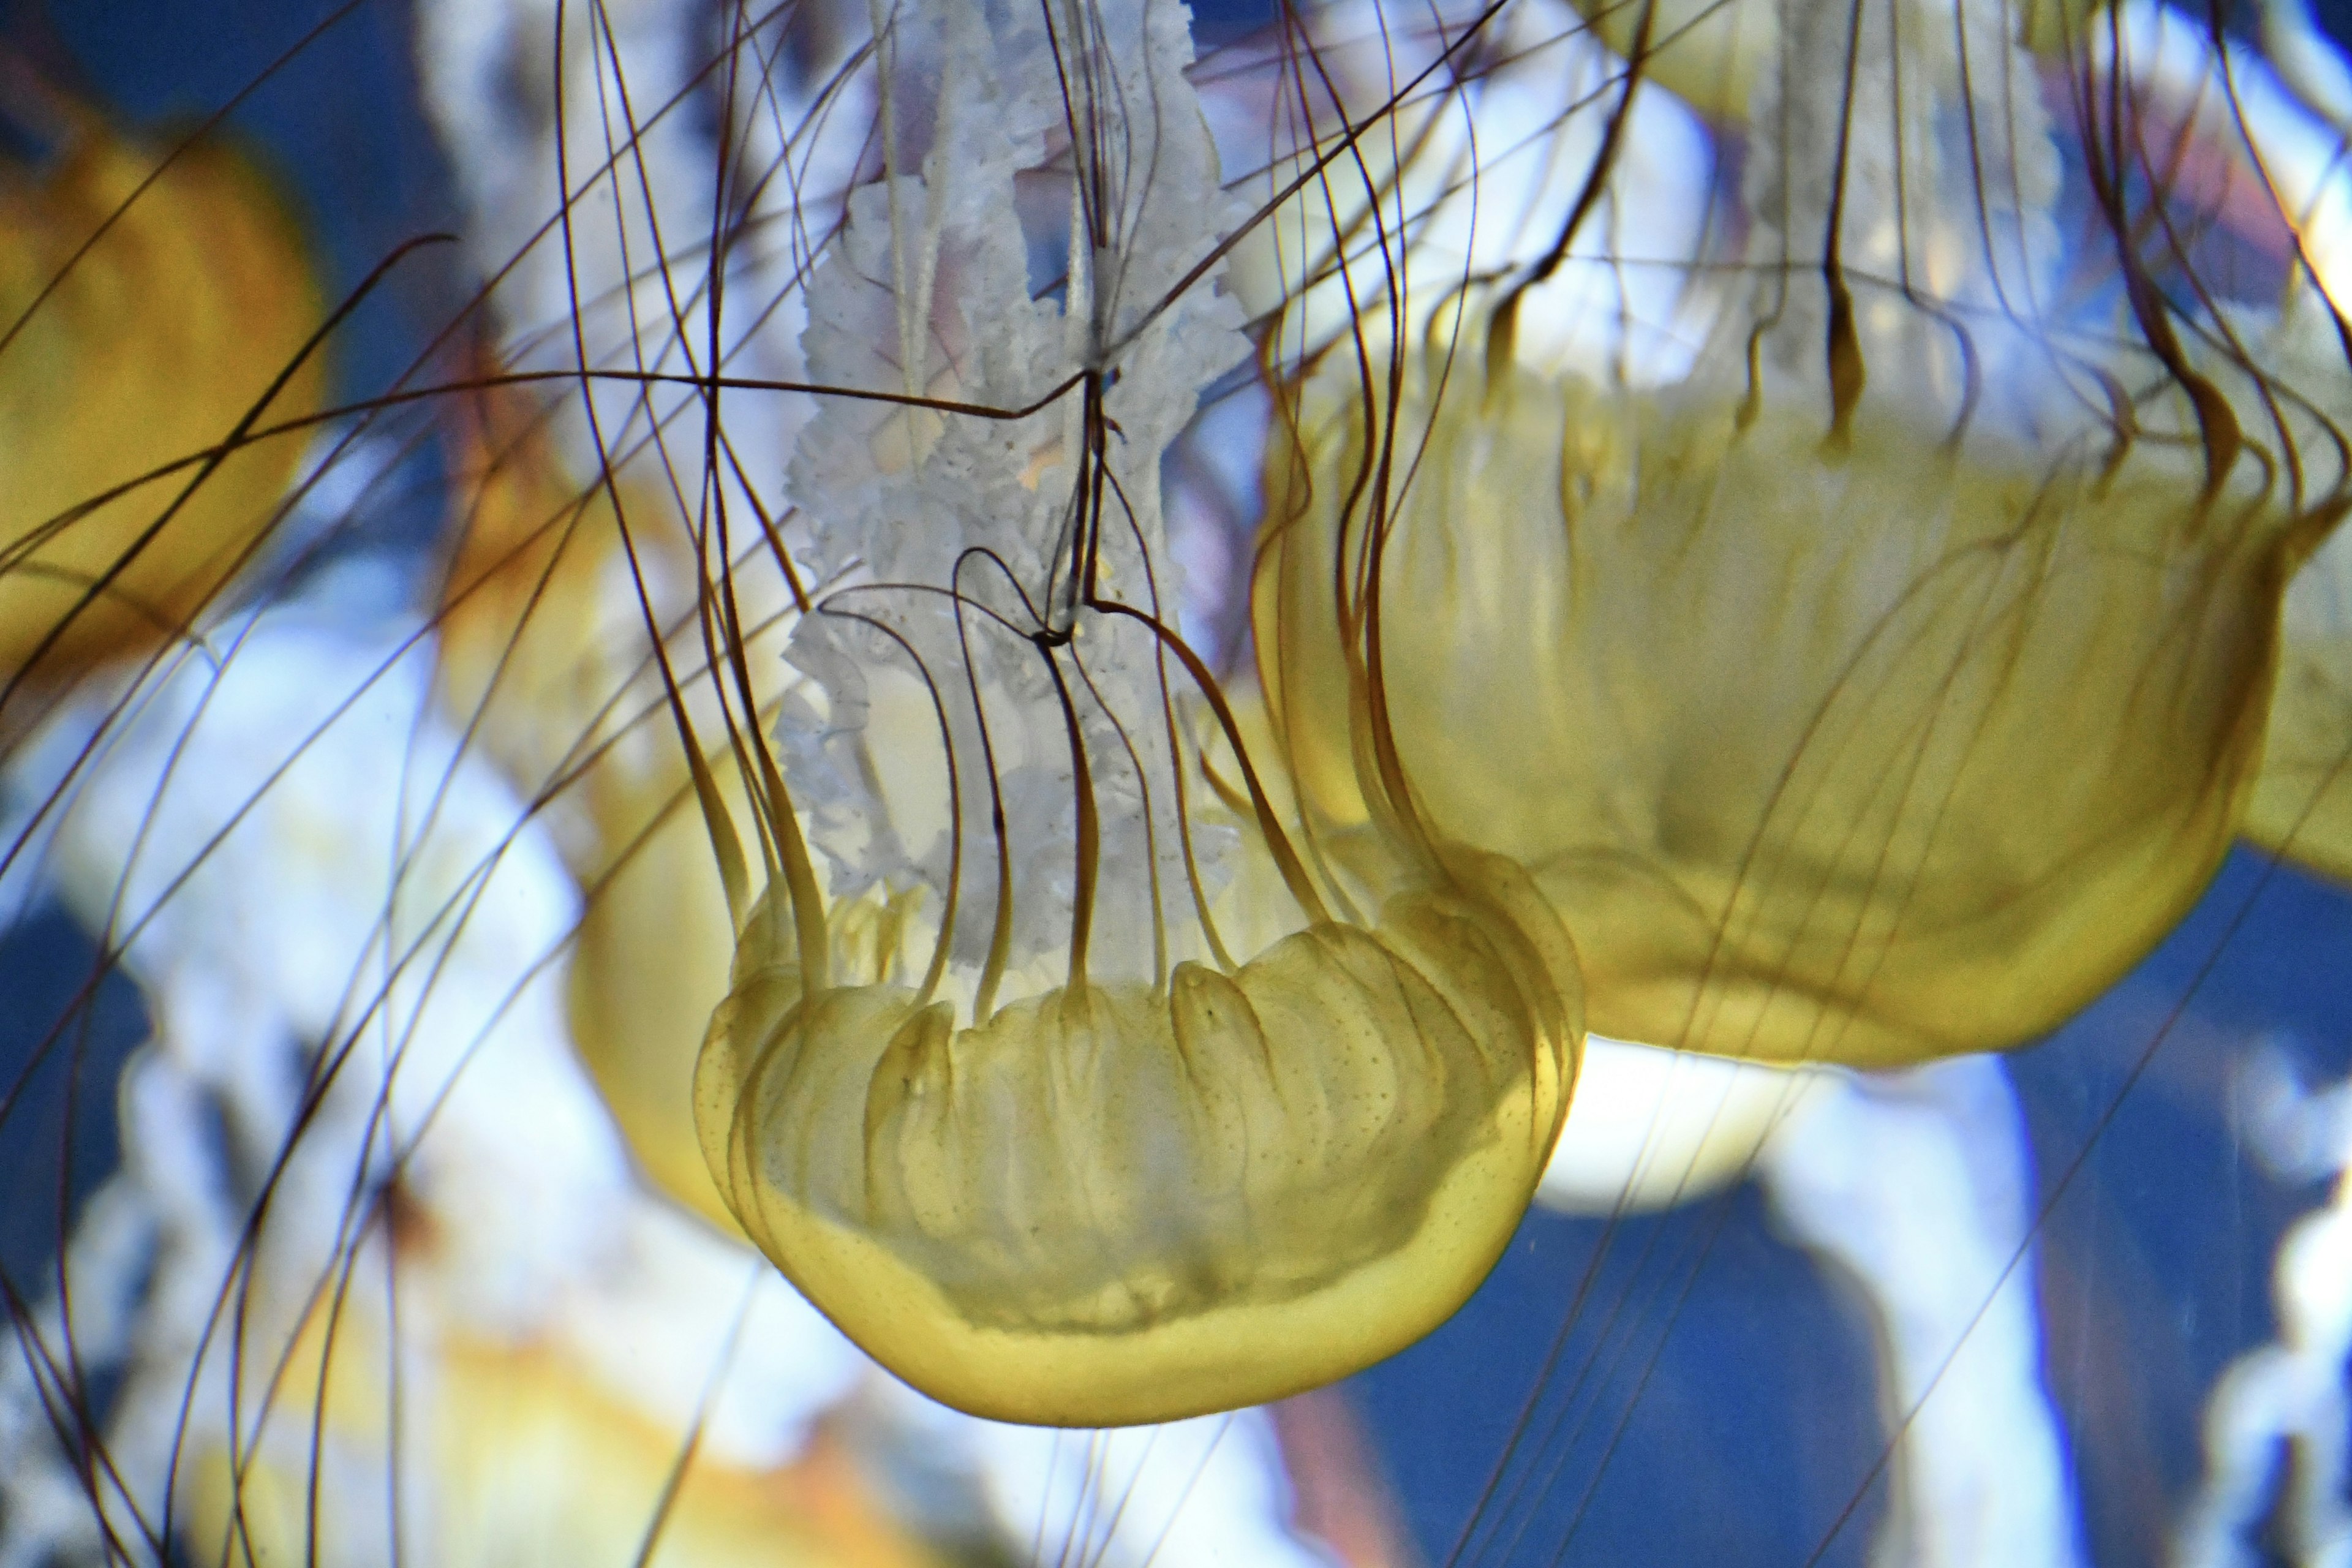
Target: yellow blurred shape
<point>544,646</point>
<point>512,1455</point>
<point>1708,53</point>
<point>652,963</point>
<point>193,294</point>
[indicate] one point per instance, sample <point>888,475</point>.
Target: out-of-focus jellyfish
<point>2275,1425</point>
<point>153,309</point>
<point>352,980</point>
<point>543,645</point>
<point>581,523</point>
<point>1600,583</point>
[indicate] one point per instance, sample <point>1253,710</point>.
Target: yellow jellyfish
<point>1748,617</point>
<point>1078,1098</point>
<point>153,309</point>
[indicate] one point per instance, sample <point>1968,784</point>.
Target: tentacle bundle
<point>1885,683</point>
<point>1134,1145</point>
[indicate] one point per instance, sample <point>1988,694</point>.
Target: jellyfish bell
<point>1112,1203</point>
<point>1069,1096</point>
<point>1895,864</point>
<point>1774,645</point>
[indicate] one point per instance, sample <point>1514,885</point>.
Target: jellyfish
<point>531,603</point>
<point>1073,1095</point>
<point>1803,507</point>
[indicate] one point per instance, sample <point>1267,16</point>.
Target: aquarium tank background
<point>346,1214</point>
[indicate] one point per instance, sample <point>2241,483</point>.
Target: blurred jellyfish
<point>119,527</point>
